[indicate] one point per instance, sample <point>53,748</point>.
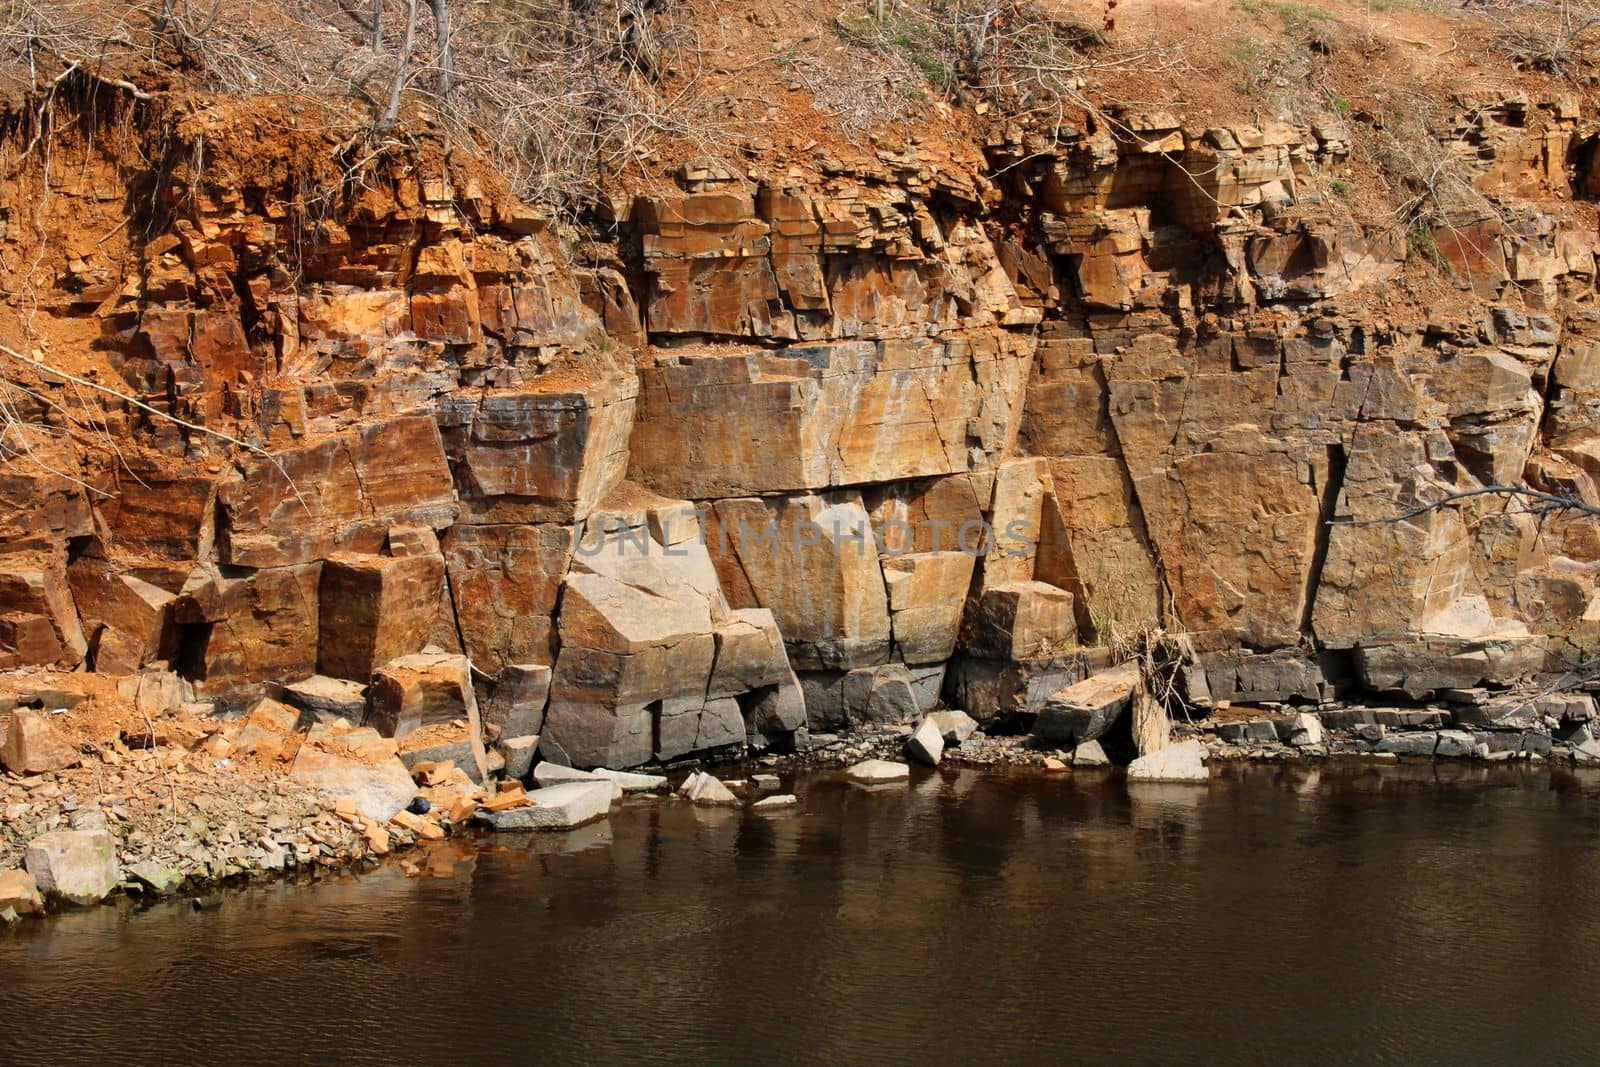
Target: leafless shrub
<point>558,91</point>
<point>1554,36</point>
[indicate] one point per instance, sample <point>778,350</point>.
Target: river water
<point>1276,915</point>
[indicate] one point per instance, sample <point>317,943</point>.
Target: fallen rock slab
<point>548,774</point>
<point>1085,710</point>
<point>878,771</point>
<point>926,745</point>
<point>632,782</point>
<point>703,788</point>
<point>557,807</point>
<point>780,802</point>
<point>1184,762</point>
<point>77,866</point>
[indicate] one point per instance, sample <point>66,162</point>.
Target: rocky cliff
<point>773,448</point>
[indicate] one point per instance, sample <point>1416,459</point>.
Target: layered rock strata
<point>773,455</point>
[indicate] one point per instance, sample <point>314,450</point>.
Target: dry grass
<point>558,93</point>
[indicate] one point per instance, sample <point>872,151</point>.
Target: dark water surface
<point>1273,916</point>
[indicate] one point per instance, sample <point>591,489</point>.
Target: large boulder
<point>76,866</point>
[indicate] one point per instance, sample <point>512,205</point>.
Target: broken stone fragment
<point>33,746</point>
<point>707,790</point>
<point>778,802</point>
<point>926,744</point>
<point>1183,762</point>
<point>359,764</point>
<point>156,878</point>
<point>955,726</point>
<point>518,753</point>
<point>20,893</point>
<point>1090,754</point>
<point>76,866</point>
<point>877,772</point>
<point>324,697</point>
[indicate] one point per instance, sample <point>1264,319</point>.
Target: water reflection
<point>1277,913</point>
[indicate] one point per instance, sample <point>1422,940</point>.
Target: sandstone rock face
<point>777,453</point>
<point>504,582</point>
<point>340,494</point>
<point>374,609</point>
<point>820,416</point>
<point>813,561</point>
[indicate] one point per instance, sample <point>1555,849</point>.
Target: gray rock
<point>1085,710</point>
<point>1537,743</point>
<point>517,702</point>
<point>926,745</point>
<point>955,725</point>
<point>556,807</point>
<point>1307,730</point>
<point>77,866</point>
<point>551,774</point>
<point>518,752</point>
<point>1183,762</point>
<point>1412,744</point>
<point>1501,713</point>
<point>703,788</point>
<point>1090,754</point>
<point>88,819</point>
<point>779,802</point>
<point>581,734</point>
<point>632,782</point>
<point>160,880</point>
<point>1456,744</point>
<point>878,771</point>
